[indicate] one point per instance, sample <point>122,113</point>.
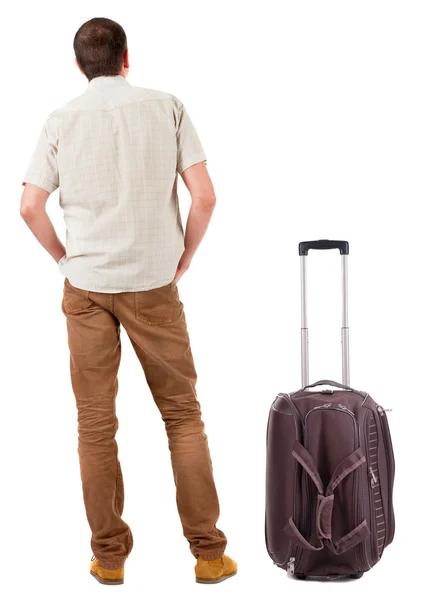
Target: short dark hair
<point>99,46</point>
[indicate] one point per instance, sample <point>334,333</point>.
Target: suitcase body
<point>329,471</point>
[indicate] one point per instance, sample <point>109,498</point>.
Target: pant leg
<point>95,350</point>
<point>155,323</point>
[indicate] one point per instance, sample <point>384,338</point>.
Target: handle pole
<point>304,329</point>
<point>343,248</point>
<point>345,325</point>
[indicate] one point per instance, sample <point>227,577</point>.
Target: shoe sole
<point>107,581</point>
<point>216,580</point>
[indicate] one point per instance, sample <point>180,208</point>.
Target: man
<point>115,152</point>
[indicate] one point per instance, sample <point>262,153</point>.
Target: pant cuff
<point>209,554</point>
<point>111,565</point>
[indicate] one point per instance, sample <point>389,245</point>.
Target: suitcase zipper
<point>382,411</point>
<point>344,408</point>
<point>373,477</point>
<point>318,407</point>
<point>339,407</point>
<point>290,566</point>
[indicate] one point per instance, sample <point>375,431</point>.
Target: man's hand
<point>183,266</point>
<point>199,184</point>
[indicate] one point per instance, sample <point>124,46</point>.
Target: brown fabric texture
<point>155,323</point>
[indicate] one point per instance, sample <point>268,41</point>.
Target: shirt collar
<point>104,80</point>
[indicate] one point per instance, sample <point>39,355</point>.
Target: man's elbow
<point>33,202</point>
<point>205,202</point>
<point>26,211</point>
<point>29,211</point>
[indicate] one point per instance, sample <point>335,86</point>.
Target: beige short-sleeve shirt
<point>115,153</point>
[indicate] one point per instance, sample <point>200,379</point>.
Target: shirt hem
<point>153,286</point>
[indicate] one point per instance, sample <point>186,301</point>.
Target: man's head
<point>100,47</point>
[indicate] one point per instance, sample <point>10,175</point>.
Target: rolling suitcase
<point>329,466</point>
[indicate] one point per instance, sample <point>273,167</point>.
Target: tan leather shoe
<point>215,571</point>
<point>106,576</point>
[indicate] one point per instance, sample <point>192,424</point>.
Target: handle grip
<point>328,382</point>
<point>340,245</point>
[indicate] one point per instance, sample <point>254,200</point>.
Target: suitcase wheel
<point>354,576</point>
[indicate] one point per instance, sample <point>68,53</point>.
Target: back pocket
<point>158,306</point>
<point>75,300</point>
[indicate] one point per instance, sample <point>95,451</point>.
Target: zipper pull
<point>382,411</point>
<point>373,477</point>
<point>290,566</point>
<point>327,405</point>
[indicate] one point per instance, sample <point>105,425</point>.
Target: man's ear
<point>77,64</point>
<point>126,63</point>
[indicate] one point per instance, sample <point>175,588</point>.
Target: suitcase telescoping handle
<point>343,248</point>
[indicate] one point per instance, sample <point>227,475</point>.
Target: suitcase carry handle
<point>340,245</point>
<point>325,503</point>
<point>328,382</point>
<point>343,247</point>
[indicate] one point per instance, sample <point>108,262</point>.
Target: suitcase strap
<point>325,501</point>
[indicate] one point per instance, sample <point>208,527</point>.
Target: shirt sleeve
<point>189,148</point>
<point>43,168</point>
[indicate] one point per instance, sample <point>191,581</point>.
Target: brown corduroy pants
<point>155,323</point>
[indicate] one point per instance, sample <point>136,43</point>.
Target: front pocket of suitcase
<point>335,422</point>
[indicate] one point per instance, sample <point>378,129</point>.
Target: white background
<point>315,119</point>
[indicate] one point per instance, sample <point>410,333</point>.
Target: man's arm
<point>40,180</point>
<point>33,211</point>
<point>199,184</point>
